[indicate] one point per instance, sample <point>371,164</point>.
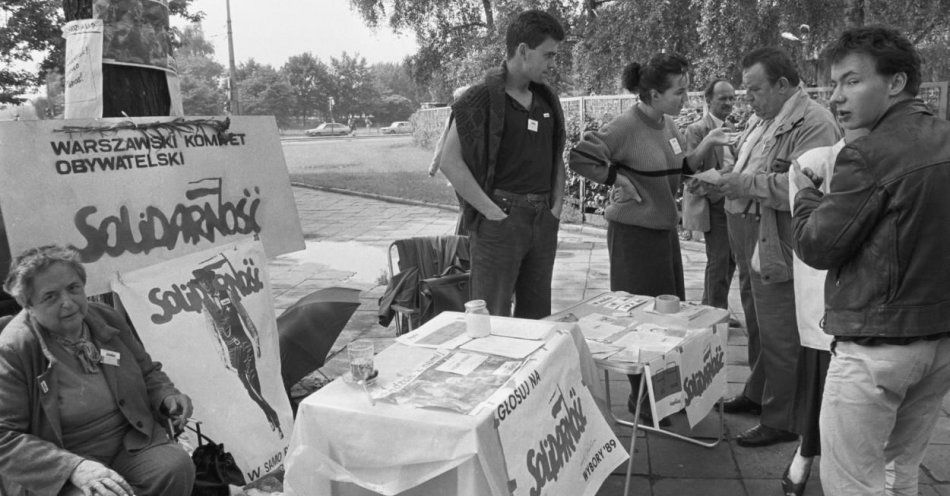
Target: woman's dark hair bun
<point>631,77</point>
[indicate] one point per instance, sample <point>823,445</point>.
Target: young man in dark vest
<point>503,154</point>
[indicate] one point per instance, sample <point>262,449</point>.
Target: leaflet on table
<point>456,380</point>
<point>502,346</point>
<point>619,301</point>
<point>522,328</point>
<point>604,328</point>
<point>652,338</point>
<point>444,331</point>
<point>601,350</point>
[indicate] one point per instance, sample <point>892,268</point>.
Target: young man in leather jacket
<point>881,232</point>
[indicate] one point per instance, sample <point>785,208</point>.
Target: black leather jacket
<point>883,232</point>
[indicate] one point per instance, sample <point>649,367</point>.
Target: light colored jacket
<point>696,198</point>
<point>808,125</point>
<point>32,458</point>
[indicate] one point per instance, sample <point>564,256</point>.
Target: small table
<point>344,445</point>
<point>701,324</point>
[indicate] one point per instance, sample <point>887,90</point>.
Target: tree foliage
<point>310,81</point>
<point>201,77</point>
<point>352,86</point>
<point>264,91</point>
<point>459,40</point>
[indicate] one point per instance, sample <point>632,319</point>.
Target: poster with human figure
<point>209,318</point>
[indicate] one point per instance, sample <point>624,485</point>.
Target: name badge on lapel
<point>110,357</point>
<point>532,125</point>
<point>675,145</point>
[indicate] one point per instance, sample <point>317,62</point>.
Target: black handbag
<point>215,468</point>
<point>446,292</point>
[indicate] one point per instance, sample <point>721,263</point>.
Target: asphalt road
<point>298,151</point>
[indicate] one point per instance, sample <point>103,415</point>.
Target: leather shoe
<point>741,404</point>
<point>762,435</point>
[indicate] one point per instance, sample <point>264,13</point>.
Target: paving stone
<point>675,458</point>
<point>613,486</point>
<point>941,434</point>
<point>766,462</point>
<point>699,487</point>
<point>937,462</point>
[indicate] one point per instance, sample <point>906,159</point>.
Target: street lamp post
<point>330,101</point>
<point>232,75</point>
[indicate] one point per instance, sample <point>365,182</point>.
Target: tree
<point>30,27</point>
<point>311,83</point>
<point>265,92</point>
<point>200,75</point>
<point>395,79</point>
<point>392,108</point>
<point>353,88</point>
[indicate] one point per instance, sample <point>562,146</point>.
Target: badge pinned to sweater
<point>532,125</point>
<point>110,357</point>
<point>675,145</point>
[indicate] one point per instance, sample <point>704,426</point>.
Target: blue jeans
<point>515,257</point>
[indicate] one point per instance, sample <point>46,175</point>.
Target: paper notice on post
<point>83,76</point>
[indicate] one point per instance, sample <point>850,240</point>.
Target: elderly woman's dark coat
<point>32,460</point>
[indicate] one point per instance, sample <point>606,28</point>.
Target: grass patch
<point>391,167</point>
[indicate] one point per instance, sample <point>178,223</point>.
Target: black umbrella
<point>309,328</point>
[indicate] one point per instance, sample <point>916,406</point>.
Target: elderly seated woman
<point>80,399</point>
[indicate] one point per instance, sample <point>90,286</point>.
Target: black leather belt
<point>529,200</point>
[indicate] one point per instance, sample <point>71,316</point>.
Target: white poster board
<point>554,438</point>
<point>129,198</point>
<point>209,318</point>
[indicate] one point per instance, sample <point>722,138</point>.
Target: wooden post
<point>133,91</point>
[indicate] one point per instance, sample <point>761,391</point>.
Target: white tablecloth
<point>343,445</point>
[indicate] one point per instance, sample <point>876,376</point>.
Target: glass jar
<point>477,319</point>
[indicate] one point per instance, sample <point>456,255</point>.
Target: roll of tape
<point>667,304</point>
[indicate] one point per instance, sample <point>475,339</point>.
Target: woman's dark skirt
<point>812,369</point>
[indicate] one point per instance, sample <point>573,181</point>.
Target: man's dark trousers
<point>738,227</point>
<point>515,256</point>
<point>774,364</point>
<point>720,264</point>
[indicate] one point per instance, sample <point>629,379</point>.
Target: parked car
<point>329,129</point>
<point>398,127</point>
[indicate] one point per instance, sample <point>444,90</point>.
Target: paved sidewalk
<point>347,237</point>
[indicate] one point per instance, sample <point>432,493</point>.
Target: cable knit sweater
<point>647,152</point>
